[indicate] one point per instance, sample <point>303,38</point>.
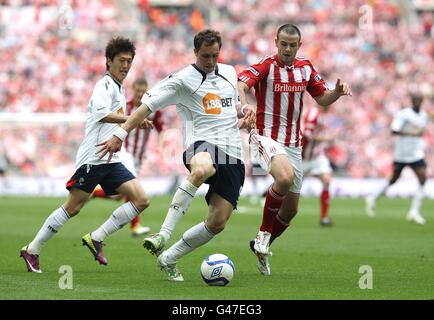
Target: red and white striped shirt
<point>136,141</point>
<point>312,126</point>
<point>279,93</point>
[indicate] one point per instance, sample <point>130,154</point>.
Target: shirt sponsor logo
<point>286,87</point>
<point>213,104</point>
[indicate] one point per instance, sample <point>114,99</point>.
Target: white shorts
<point>317,166</point>
<point>264,149</point>
<point>127,160</point>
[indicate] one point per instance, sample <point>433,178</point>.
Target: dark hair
<point>118,45</point>
<point>140,81</point>
<point>209,37</point>
<point>289,28</point>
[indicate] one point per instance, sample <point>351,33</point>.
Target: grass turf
<point>308,262</point>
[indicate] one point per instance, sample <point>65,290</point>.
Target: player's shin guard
<point>279,226</point>
<point>193,238</point>
<point>120,217</point>
<point>180,203</point>
<point>325,202</point>
<point>51,226</point>
<point>273,202</point>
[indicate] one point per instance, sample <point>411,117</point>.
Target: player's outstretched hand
<point>342,88</point>
<point>110,146</point>
<point>249,119</point>
<point>146,124</point>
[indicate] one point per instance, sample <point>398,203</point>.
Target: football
<point>217,270</point>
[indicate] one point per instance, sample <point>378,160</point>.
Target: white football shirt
<point>206,104</point>
<point>409,148</point>
<point>108,97</point>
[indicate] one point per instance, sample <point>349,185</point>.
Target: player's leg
<point>222,198</point>
<point>287,212</point>
<point>283,174</point>
<point>131,164</point>
<point>372,198</point>
<point>289,207</point>
<point>55,221</point>
<point>325,199</point>
<point>138,202</point>
<point>136,228</point>
<point>281,221</point>
<point>201,168</point>
<point>116,179</point>
<point>414,215</point>
<point>219,213</point>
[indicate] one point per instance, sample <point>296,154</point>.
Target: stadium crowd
<point>52,54</point>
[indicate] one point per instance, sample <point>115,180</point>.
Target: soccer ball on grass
<point>217,270</point>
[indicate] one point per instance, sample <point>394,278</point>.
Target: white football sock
<point>180,203</point>
<point>380,191</point>
<point>51,226</point>
<point>191,239</point>
<point>417,200</point>
<point>120,217</point>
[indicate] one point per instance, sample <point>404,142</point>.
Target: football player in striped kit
<point>280,82</point>
<point>315,161</point>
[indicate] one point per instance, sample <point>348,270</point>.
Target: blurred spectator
<point>50,59</point>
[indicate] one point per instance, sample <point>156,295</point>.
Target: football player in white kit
<point>206,98</point>
<point>409,125</point>
<point>106,111</point>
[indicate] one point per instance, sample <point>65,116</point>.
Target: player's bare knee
<point>72,210</point>
<point>201,172</point>
<point>284,180</point>
<point>217,226</point>
<point>141,203</point>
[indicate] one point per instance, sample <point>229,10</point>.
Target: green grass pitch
<point>308,262</point>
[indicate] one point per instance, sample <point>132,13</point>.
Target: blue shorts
<point>398,166</point>
<point>109,176</point>
<point>228,180</point>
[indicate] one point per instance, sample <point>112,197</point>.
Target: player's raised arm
<point>330,96</point>
<point>114,143</point>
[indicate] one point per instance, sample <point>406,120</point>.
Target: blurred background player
<point>133,151</point>
<point>280,81</point>
<point>409,125</point>
<point>105,111</point>
<point>315,162</point>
